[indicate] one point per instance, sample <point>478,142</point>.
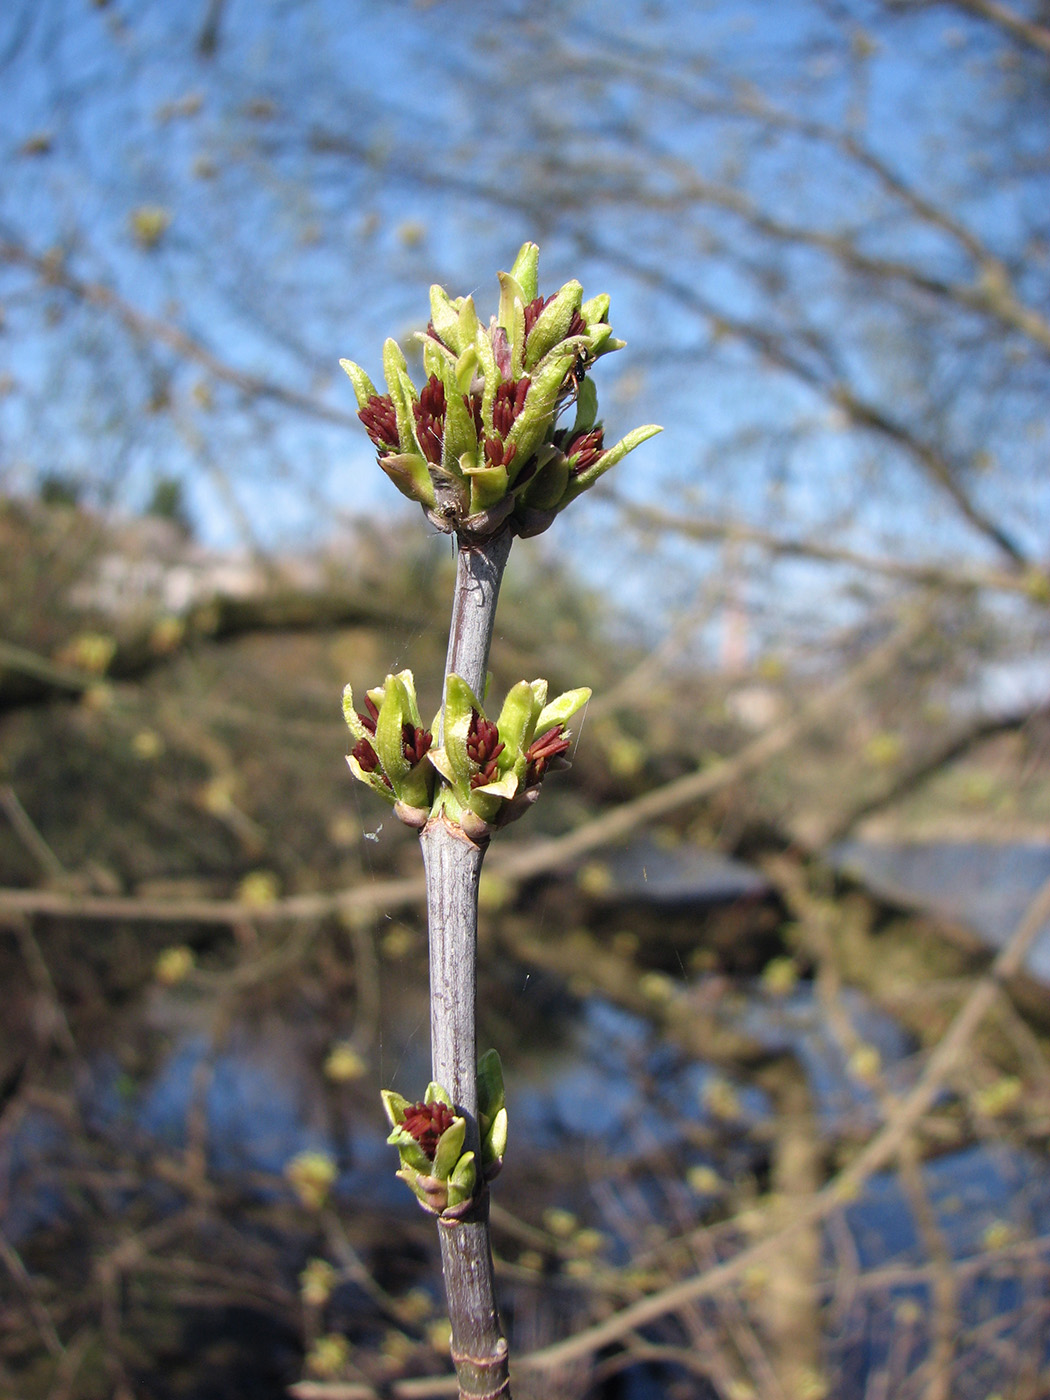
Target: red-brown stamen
<point>542,751</point>
<point>380,420</point>
<point>586,448</point>
<point>500,454</point>
<point>415,742</point>
<point>473,403</point>
<point>483,748</point>
<point>508,403</point>
<point>533,312</point>
<point>369,720</point>
<point>368,759</point>
<point>429,413</point>
<point>426,1122</point>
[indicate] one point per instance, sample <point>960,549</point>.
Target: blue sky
<point>332,160</point>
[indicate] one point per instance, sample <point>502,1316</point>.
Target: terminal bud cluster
<point>479,445</point>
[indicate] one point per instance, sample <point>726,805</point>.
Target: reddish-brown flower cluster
<point>429,410</point>
<point>586,448</point>
<point>415,742</point>
<point>363,750</point>
<point>532,313</point>
<point>542,751</point>
<point>380,420</point>
<point>483,748</point>
<point>500,454</point>
<point>577,326</point>
<point>507,404</point>
<point>426,1122</point>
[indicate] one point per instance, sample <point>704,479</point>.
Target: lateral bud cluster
<point>494,768</point>
<point>485,774</point>
<point>429,1137</point>
<point>392,747</point>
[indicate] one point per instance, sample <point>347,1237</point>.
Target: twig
<point>864,413</point>
<point>336,1390</point>
<point>453,868</point>
<point>1037,36</point>
<point>882,1148</point>
<point>53,271</point>
<point>713,531</point>
<point>27,831</point>
<point>631,816</point>
<point>815,919</point>
<point>12,1261</point>
<point>28,678</point>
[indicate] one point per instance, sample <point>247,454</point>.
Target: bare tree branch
<point>1036,36</point>
<point>864,413</point>
<point>27,678</point>
<point>720,531</point>
<point>908,1112</point>
<point>53,271</point>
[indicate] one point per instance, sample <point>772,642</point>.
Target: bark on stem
<point>479,573</point>
<point>453,868</point>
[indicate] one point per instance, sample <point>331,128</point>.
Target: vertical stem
<point>479,573</point>
<point>453,868</point>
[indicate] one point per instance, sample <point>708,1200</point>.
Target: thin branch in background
<point>827,829</point>
<point>1026,31</point>
<point>908,1113</point>
<point>632,687</point>
<point>695,787</point>
<point>208,35</point>
<point>864,413</point>
<point>538,858</point>
<point>53,272</point>
<point>61,678</point>
<point>927,574</point>
<point>816,922</point>
<point>992,295</point>
<point>29,834</point>
<point>12,1262</point>
<point>28,678</point>
<point>40,973</point>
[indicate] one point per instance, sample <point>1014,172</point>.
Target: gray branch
<point>453,868</point>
